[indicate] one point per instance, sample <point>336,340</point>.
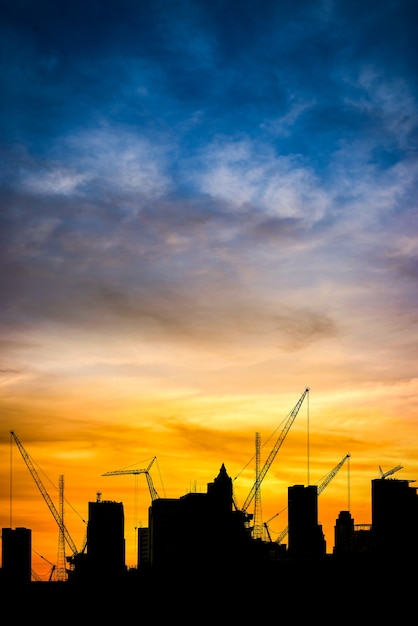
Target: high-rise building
<point>394,517</point>
<point>306,538</point>
<point>106,539</point>
<point>17,555</point>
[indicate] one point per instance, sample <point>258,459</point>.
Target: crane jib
<point>274,451</point>
<point>45,494</point>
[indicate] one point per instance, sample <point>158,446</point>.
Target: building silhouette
<point>202,533</point>
<point>394,517</point>
<point>17,555</point>
<point>104,559</point>
<point>105,538</point>
<point>306,538</point>
<point>393,531</point>
<point>351,538</point>
<point>198,529</point>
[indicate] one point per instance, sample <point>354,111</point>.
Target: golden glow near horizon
<point>191,437</point>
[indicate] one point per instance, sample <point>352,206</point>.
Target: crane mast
<point>257,528</point>
<point>45,495</point>
<point>274,451</point>
<point>152,490</point>
<point>62,571</point>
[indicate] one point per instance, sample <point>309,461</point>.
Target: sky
<point>207,207</point>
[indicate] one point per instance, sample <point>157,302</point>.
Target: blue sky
<point>226,136</point>
<point>204,202</point>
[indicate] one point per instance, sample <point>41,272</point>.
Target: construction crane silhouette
<point>47,498</point>
<point>261,475</point>
<point>152,490</point>
<point>321,488</point>
<point>136,472</point>
<point>53,566</point>
<point>266,525</point>
<point>389,472</point>
<point>257,530</point>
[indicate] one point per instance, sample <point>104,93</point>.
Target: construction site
<point>209,532</point>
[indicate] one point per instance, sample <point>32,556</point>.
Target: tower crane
<point>261,475</point>
<point>152,490</point>
<point>332,473</point>
<point>257,531</point>
<point>389,472</point>
<point>61,570</point>
<point>136,472</point>
<point>321,488</point>
<point>46,497</point>
<point>53,567</point>
<point>266,526</point>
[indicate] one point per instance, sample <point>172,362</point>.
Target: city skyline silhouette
<point>207,208</point>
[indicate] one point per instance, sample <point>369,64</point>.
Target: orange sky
<point>191,435</point>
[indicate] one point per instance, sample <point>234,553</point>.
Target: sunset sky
<point>207,206</point>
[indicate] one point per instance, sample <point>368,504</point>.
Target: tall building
<point>198,529</point>
<point>306,538</point>
<point>17,555</point>
<point>105,539</point>
<point>394,517</point>
<point>166,532</point>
